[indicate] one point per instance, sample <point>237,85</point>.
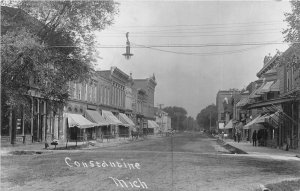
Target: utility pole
<point>161,117</point>
<point>160,105</point>
<point>210,120</point>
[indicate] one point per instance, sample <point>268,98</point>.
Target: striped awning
<point>152,124</point>
<point>96,117</point>
<point>77,120</point>
<point>266,87</point>
<point>229,125</point>
<point>259,92</point>
<point>275,86</point>
<point>247,126</point>
<point>126,120</point>
<point>243,102</point>
<point>258,119</point>
<point>253,94</point>
<point>110,118</point>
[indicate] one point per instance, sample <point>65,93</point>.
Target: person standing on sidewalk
<point>254,138</point>
<point>239,136</point>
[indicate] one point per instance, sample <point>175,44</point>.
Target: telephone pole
<point>160,105</point>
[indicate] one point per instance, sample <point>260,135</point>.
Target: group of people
<point>237,136</point>
<point>260,136</point>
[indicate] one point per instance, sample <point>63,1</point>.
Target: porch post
<point>31,124</point>
<point>38,119</point>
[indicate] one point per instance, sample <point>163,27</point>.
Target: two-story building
<point>274,104</point>
<point>145,103</point>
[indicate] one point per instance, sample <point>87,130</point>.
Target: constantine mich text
<point>129,184</point>
<point>103,164</point>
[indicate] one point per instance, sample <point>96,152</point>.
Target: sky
<point>194,48</point>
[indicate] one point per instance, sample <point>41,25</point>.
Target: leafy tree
<point>178,115</point>
<point>49,43</point>
<point>208,116</point>
<point>190,124</point>
<point>292,33</point>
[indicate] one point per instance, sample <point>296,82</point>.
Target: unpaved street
<point>183,162</point>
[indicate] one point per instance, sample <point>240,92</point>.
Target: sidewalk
<point>39,147</point>
<point>248,148</point>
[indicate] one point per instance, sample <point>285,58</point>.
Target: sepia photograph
<point>157,95</point>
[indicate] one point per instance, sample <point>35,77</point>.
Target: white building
<point>163,120</point>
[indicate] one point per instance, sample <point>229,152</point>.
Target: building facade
<point>145,89</point>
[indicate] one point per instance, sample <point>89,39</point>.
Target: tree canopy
<point>178,116</point>
<point>208,116</point>
<point>48,43</point>
<point>292,33</point>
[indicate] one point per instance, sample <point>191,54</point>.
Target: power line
<point>194,45</point>
<point>203,54</point>
<point>198,35</point>
<point>199,25</point>
<point>178,45</point>
<point>187,30</point>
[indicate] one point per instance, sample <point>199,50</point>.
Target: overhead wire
<point>203,54</point>
<point>201,25</point>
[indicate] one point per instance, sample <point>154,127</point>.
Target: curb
<point>59,149</point>
<point>230,148</point>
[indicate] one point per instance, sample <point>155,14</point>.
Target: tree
<point>208,116</point>
<point>178,115</point>
<point>49,43</point>
<point>292,33</point>
<point>44,45</point>
<point>190,124</point>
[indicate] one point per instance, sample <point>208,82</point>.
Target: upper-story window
<point>78,91</point>
<point>289,79</point>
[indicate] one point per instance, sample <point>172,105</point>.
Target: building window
<point>222,116</point>
<point>79,91</point>
<point>86,92</point>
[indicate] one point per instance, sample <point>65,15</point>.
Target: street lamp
<point>127,54</point>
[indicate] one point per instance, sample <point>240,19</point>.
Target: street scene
<point>150,95</point>
<point>189,161</point>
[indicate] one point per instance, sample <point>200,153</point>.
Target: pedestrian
<point>239,136</point>
<point>254,138</point>
<point>234,137</point>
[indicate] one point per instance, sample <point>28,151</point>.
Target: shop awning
<point>259,92</point>
<point>239,126</point>
<point>262,119</point>
<point>228,125</point>
<point>243,102</point>
<point>77,120</point>
<point>96,117</point>
<point>126,120</point>
<point>110,118</point>
<point>247,126</point>
<point>275,86</point>
<point>253,94</point>
<point>266,87</point>
<point>259,119</point>
<point>273,119</point>
<point>152,124</point>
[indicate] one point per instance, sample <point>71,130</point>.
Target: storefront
<point>79,128</point>
<point>128,126</point>
<point>102,125</point>
<point>153,127</point>
<point>113,121</point>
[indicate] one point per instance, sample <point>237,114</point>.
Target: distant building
<point>163,120</point>
<point>225,107</point>
<point>145,102</point>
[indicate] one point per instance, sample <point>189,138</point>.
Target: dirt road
<point>186,161</point>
